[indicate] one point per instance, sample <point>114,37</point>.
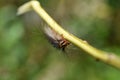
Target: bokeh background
<point>26,54</point>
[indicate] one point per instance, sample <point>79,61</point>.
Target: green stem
<point>106,57</point>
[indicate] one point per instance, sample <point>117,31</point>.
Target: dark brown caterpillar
<point>56,40</point>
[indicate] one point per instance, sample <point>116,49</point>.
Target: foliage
<point>25,54</point>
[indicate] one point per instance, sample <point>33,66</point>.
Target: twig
<point>106,57</point>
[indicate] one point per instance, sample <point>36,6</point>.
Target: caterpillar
<point>56,39</point>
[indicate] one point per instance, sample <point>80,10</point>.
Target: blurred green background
<point>26,54</point>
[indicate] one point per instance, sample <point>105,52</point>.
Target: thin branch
<point>106,57</point>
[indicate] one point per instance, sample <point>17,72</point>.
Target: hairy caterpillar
<point>55,39</point>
